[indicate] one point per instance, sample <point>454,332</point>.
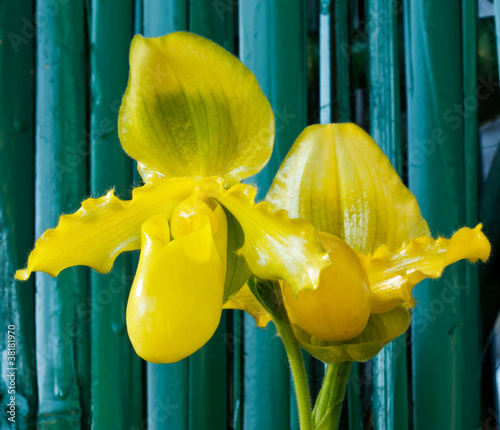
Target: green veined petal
<point>175,303</point>
<point>336,177</point>
<point>276,247</point>
<point>237,272</point>
<point>193,109</point>
<point>103,228</point>
<point>380,330</point>
<point>394,272</point>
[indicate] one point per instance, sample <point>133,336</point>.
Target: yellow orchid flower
<point>336,177</point>
<point>197,122</point>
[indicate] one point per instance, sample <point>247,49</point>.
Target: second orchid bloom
<point>339,230</point>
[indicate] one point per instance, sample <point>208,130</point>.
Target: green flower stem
<point>298,373</point>
<point>326,414</point>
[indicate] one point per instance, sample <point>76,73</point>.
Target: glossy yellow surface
<point>175,303</point>
<point>339,308</point>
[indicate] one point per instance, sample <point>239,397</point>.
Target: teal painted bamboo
<point>342,61</point>
<point>325,62</point>
<point>273,46</point>
<point>445,385</point>
<point>161,17</point>
<point>496,5</point>
<point>472,313</point>
<point>116,370</point>
<point>62,337</point>
<point>167,384</point>
<point>17,62</point>
<point>354,392</point>
<point>390,390</point>
<point>208,367</point>
<point>235,341</point>
<point>214,21</point>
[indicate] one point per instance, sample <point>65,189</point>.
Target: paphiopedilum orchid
<point>197,122</point>
<point>336,177</point>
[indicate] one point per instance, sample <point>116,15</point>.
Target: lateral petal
<point>193,109</point>
<point>336,177</point>
<point>394,272</point>
<point>275,247</point>
<point>175,303</point>
<point>103,228</point>
<point>245,300</point>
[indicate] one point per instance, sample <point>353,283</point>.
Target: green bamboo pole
<point>167,384</point>
<point>445,387</point>
<point>390,389</point>
<point>116,370</point>
<point>342,60</point>
<point>235,343</point>
<point>62,337</point>
<point>325,62</point>
<point>471,305</point>
<point>17,62</point>
<point>161,17</point>
<point>273,46</point>
<point>208,376</point>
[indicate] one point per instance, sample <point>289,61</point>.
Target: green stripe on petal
<point>103,228</point>
<point>275,247</point>
<point>336,177</point>
<point>193,109</point>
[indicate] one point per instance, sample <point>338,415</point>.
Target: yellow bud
<point>339,308</point>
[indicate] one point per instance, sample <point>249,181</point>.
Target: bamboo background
<point>420,76</point>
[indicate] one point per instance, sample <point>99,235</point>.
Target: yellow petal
<point>276,247</point>
<point>103,228</point>
<point>394,272</point>
<point>193,109</point>
<point>339,308</point>
<point>175,303</point>
<point>244,300</point>
<point>336,177</point>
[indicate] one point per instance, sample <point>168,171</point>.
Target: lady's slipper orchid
<point>197,122</point>
<point>336,177</point>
